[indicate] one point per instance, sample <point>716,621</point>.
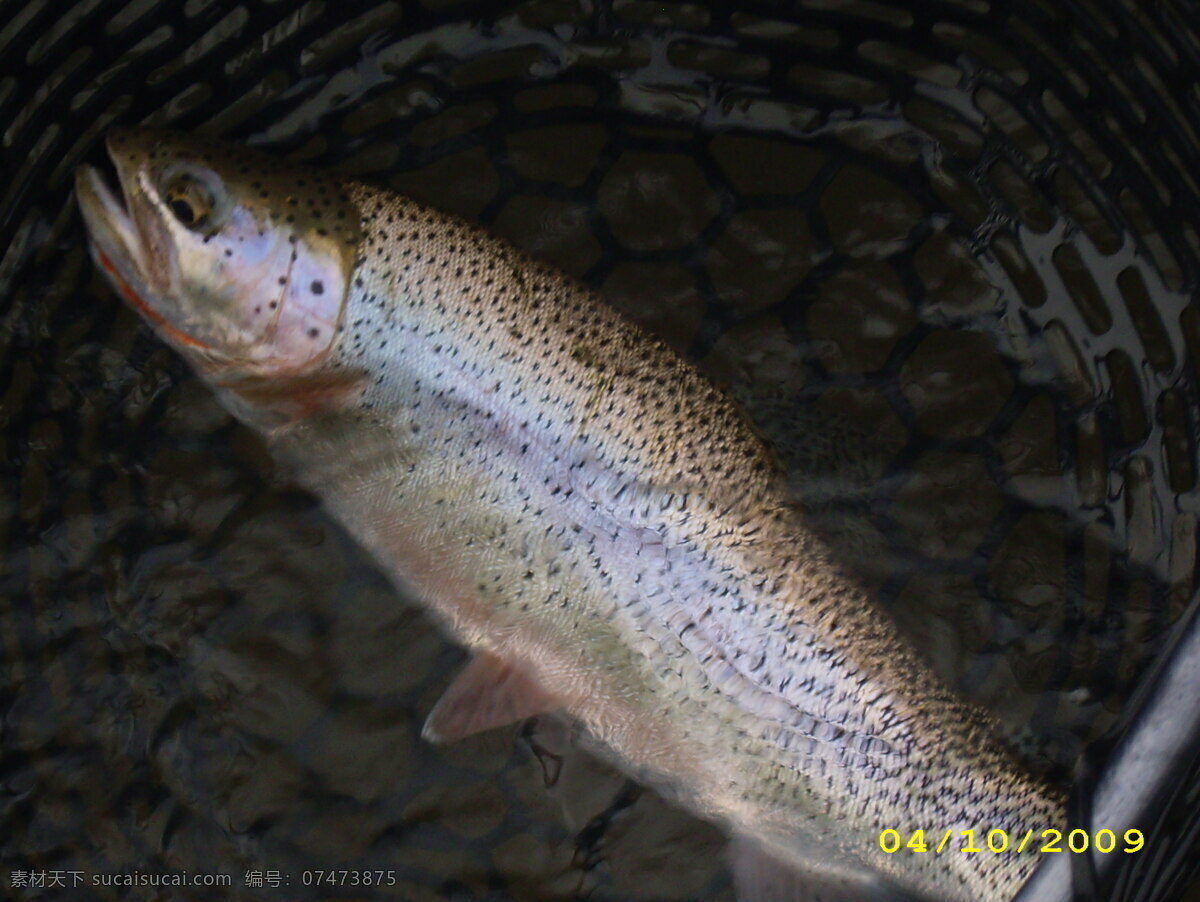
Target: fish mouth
<point>119,248</point>
<point>111,229</point>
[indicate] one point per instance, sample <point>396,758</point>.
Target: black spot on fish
<point>318,287</point>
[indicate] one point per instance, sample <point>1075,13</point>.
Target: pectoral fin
<point>489,693</point>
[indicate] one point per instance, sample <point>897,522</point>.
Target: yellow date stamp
<point>997,841</point>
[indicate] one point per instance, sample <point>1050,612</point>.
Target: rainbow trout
<point>577,506</point>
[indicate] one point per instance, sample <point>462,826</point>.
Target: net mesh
<point>963,233</point>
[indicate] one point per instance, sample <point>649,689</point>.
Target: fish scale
<point>568,496</point>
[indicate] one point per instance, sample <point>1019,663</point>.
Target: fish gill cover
<point>944,253</point>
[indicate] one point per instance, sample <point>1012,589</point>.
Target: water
<point>955,297</point>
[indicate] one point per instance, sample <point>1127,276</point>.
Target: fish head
<point>239,260</point>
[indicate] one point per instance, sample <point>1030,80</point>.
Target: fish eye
<point>189,200</point>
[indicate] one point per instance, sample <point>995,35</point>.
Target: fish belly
<point>607,616</point>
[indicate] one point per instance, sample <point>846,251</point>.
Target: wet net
<point>945,253</point>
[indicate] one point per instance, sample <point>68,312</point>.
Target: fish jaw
<point>116,247</point>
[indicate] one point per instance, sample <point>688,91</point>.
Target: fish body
<point>576,505</point>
